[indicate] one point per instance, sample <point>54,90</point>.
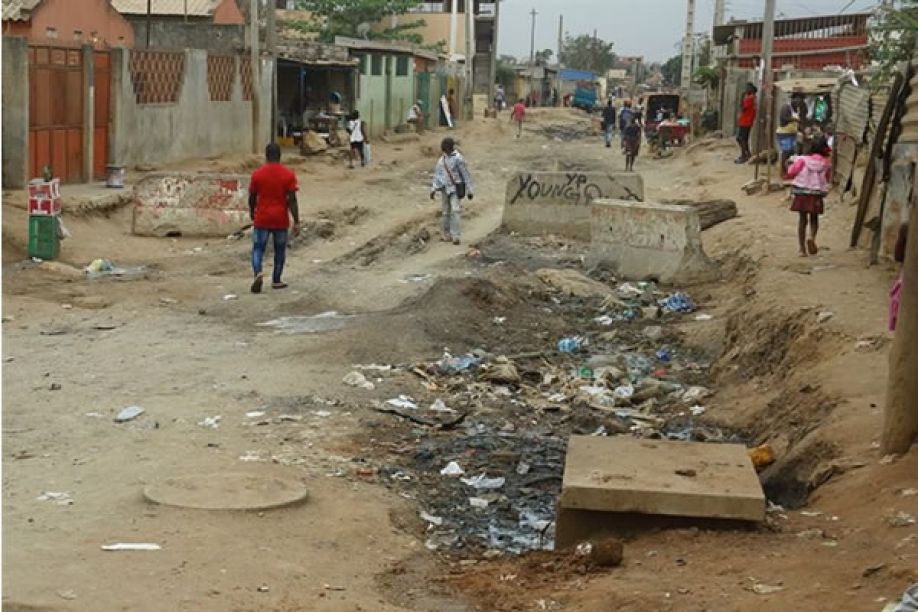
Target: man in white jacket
<point>453,181</point>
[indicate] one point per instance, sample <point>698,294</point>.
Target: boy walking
<point>272,200</point>
<point>608,122</point>
<point>518,114</point>
<point>453,181</point>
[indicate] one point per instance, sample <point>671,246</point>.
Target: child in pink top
<point>518,114</point>
<point>810,174</point>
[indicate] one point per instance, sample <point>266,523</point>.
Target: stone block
<point>559,202</point>
<point>633,477</point>
<point>190,205</point>
<point>649,241</point>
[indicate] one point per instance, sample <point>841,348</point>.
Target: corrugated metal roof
<point>18,10</point>
<point>853,111</point>
<point>196,8</point>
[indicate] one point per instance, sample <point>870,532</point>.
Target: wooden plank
<point>710,212</point>
<point>875,149</point>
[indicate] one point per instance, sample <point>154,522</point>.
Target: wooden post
<point>900,424</point>
<point>766,108</point>
<point>256,77</point>
<point>271,36</point>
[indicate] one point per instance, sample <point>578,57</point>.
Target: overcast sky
<point>652,28</point>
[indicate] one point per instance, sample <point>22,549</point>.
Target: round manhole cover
<point>226,492</point>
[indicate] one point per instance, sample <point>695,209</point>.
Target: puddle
<point>322,322</point>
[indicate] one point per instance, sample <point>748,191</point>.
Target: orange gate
<point>102,71</point>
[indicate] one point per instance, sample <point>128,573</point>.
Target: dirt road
<point>77,351</point>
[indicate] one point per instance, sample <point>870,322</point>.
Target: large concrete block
<point>559,202</point>
<point>630,476</point>
<point>190,205</point>
<point>644,240</point>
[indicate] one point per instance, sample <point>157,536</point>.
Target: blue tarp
<point>569,74</point>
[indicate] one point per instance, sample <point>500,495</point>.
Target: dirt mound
<point>408,238</point>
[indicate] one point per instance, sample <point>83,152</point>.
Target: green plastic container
<point>43,240</point>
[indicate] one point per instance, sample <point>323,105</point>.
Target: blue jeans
<point>610,134</point>
<point>260,245</point>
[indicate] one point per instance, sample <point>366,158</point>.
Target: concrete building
<point>66,22</point>
<point>181,24</point>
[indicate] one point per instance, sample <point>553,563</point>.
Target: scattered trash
<point>900,519</point>
<point>909,601</point>
<point>664,355</point>
<point>499,320</point>
<point>872,569</point>
<point>433,520</point>
<point>697,410</point>
<point>254,414</point>
<point>416,278</point>
<point>825,315</point>
<point>478,502</point>
<point>693,395</point>
<point>131,546</point>
<point>703,317</point>
<point>322,414</point>
<point>403,401</point>
<point>263,588</point>
<point>483,482</point>
<point>331,587</point>
<point>229,297</point>
<point>322,322</point>
<point>69,595</point>
<point>869,344</point>
<point>439,406</point>
<point>453,365</point>
<point>128,414</point>
<point>602,554</point>
<point>653,332</point>
<point>211,422</point>
<point>677,302</point>
<point>104,267</point>
<point>766,589</point>
<point>356,379</point>
<point>571,344</point>
<point>762,456</point>
<point>452,469</point>
<point>60,498</point>
<point>501,371</point>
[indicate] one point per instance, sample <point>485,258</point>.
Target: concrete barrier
<point>190,205</point>
<point>644,240</point>
<point>559,202</point>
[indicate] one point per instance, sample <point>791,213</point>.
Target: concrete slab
<point>646,240</point>
<point>190,204</point>
<point>660,477</point>
<point>559,202</point>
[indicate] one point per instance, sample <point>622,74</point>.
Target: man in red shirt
<point>272,200</point>
<point>744,123</point>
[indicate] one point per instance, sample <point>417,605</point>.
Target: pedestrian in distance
<point>608,122</point>
<point>453,181</point>
<point>811,175</point>
<point>624,116</point>
<point>416,116</point>
<point>357,128</point>
<point>631,142</point>
<point>272,201</point>
<point>744,123</point>
<point>518,114</point>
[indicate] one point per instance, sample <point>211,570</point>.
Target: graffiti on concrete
<point>574,187</point>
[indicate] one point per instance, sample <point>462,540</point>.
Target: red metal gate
<point>103,90</point>
<point>56,111</point>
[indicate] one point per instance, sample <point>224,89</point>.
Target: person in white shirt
<point>357,128</point>
<point>452,179</point>
<point>416,116</point>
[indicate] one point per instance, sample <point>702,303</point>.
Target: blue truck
<point>585,95</point>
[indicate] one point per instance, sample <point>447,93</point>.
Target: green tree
<point>585,52</point>
<point>707,77</point>
<point>672,69</point>
<point>893,36</point>
<point>331,18</point>
<point>543,57</point>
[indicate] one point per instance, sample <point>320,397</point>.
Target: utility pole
<point>271,37</point>
<point>453,22</point>
<point>495,28</point>
<point>149,20</point>
<point>255,59</point>
<point>560,49</point>
<point>900,423</point>
<point>186,11</point>
<point>766,102</point>
<point>469,56</point>
<point>719,12</point>
<point>687,46</point>
<point>533,12</point>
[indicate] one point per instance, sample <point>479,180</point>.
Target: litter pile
<point>481,438</point>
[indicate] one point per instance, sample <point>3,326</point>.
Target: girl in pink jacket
<point>811,174</point>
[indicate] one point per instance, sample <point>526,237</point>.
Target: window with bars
<point>401,66</point>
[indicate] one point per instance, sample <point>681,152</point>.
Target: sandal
<point>278,285</point>
<point>257,283</point>
<point>811,246</point>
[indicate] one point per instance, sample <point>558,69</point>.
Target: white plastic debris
<point>131,546</point>
<point>322,413</point>
<point>604,320</point>
<point>129,413</point>
<point>230,297</point>
<point>693,395</point>
<point>356,379</point>
<point>478,502</point>
<point>483,482</point>
<point>703,317</point>
<point>254,414</point>
<point>452,469</point>
<point>212,422</point>
<point>61,498</point>
<point>766,589</point>
<point>697,410</point>
<point>825,315</point>
<point>439,406</point>
<point>623,391</point>
<point>433,520</point>
<point>403,401</point>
